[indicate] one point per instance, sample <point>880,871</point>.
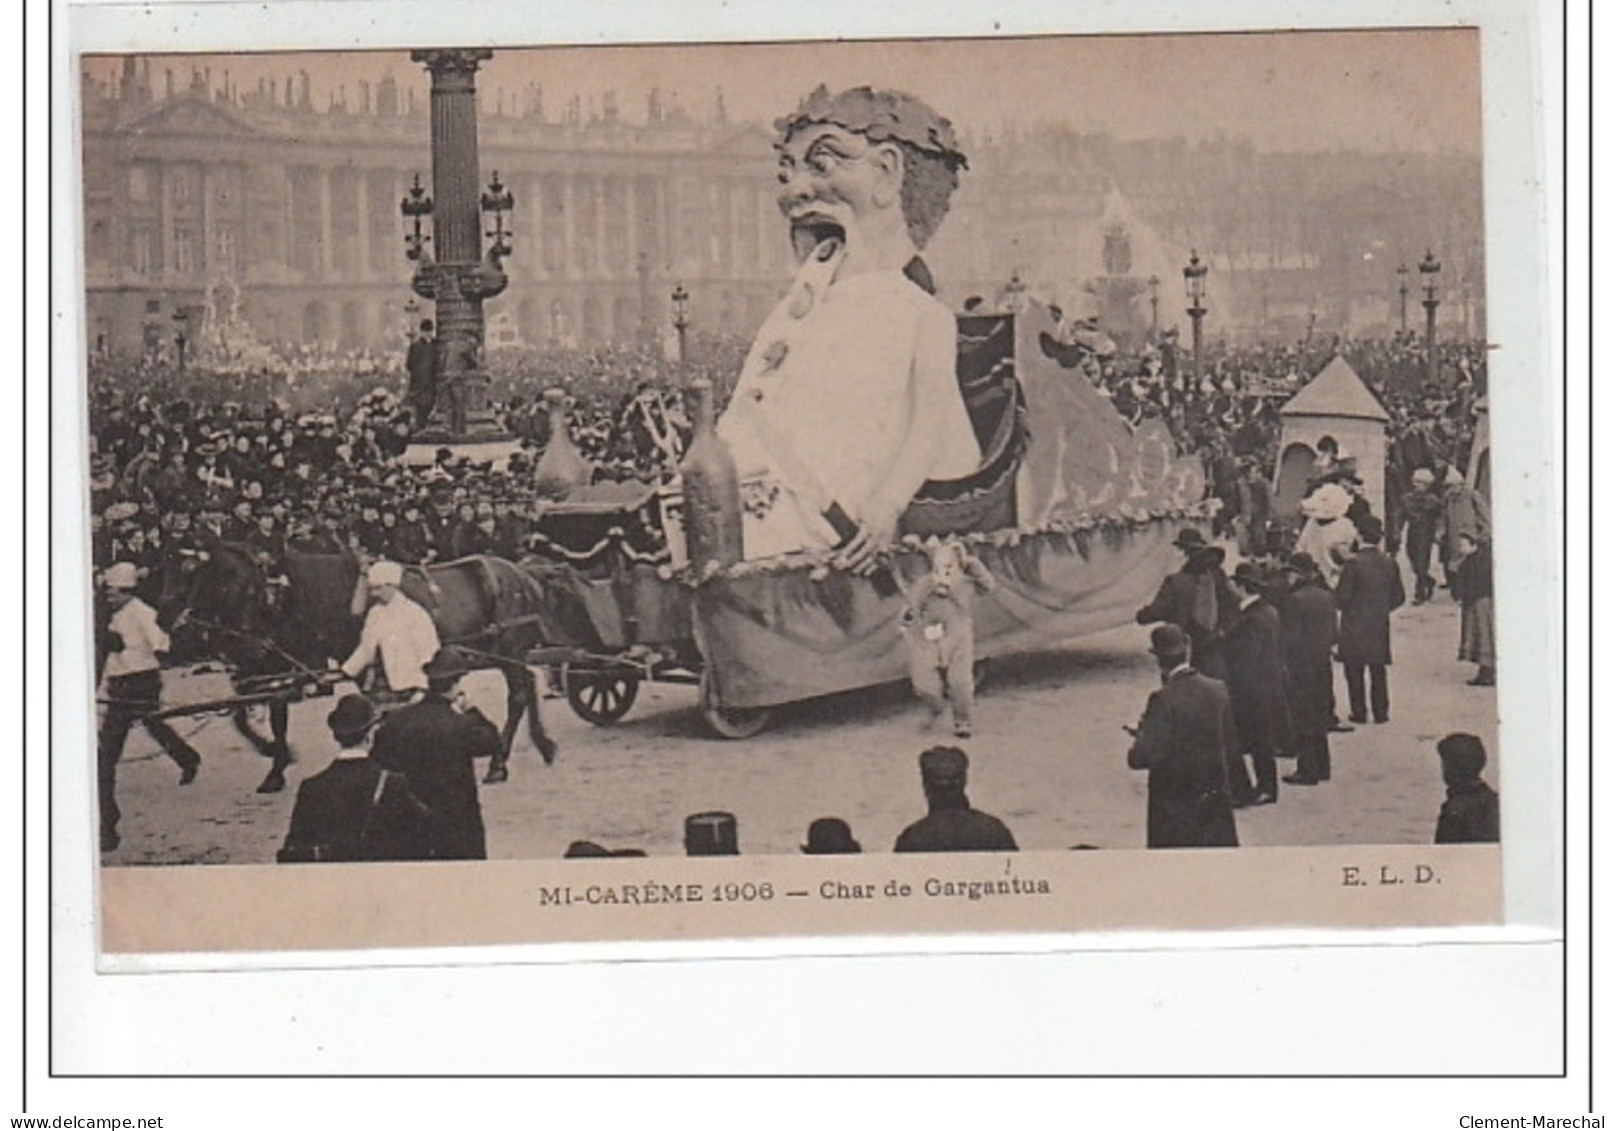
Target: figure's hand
<point>859,555</point>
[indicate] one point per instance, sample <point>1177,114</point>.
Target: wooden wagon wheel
<point>599,697</point>
<point>731,722</point>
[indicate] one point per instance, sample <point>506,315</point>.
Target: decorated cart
<point>1073,511</point>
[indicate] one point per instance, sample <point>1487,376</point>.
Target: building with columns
<point>298,209</point>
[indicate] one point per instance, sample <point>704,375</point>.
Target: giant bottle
<point>562,468</point>
<point>711,490</point>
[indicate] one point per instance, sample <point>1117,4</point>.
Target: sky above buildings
<point>1405,90</point>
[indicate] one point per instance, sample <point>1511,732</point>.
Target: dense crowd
<point>306,453</point>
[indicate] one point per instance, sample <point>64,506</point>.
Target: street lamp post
<point>681,322</point>
<point>1155,306</point>
<point>1194,281</point>
<point>1430,275</point>
<point>460,276</point>
<point>1402,295</point>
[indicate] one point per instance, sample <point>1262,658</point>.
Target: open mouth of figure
<point>810,229</point>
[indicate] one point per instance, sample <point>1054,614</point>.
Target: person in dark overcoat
<point>435,743</point>
<point>1370,589</point>
<point>1185,740</point>
<point>1199,600</point>
<point>355,810</point>
<point>1308,629</point>
<point>420,362</point>
<point>1470,813</point>
<point>1256,687</point>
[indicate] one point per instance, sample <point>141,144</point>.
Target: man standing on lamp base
<point>853,373</point>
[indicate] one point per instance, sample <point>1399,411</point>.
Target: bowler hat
<point>944,765</point>
<point>1301,563</point>
<point>447,665</point>
<point>353,714</point>
<point>1168,640</point>
<point>1190,539</point>
<point>830,836</point>
<point>1249,573</point>
<point>1370,529</point>
<point>711,834</point>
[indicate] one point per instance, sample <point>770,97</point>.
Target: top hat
<point>830,836</point>
<point>353,715</point>
<point>711,834</point>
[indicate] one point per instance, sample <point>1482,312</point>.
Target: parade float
<point>1073,511</point>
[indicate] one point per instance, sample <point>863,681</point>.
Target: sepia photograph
<point>548,457</point>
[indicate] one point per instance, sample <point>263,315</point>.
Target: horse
<point>221,603</point>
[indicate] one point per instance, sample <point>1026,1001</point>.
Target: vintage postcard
<point>985,485</point>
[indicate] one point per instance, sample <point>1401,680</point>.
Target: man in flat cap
<point>1370,589</point>
<point>435,743</point>
<point>1470,813</point>
<point>354,809</point>
<point>855,370</point>
<point>1186,740</point>
<point>397,629</point>
<point>951,825</point>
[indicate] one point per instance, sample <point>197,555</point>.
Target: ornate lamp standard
<point>681,322</point>
<point>1402,295</point>
<point>1154,282</point>
<point>1429,275</point>
<point>461,276</point>
<point>1194,282</point>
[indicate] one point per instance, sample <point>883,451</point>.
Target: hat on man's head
<point>1189,540</point>
<point>352,716</point>
<point>1249,573</point>
<point>830,836</point>
<point>1370,529</point>
<point>122,575</point>
<point>711,834</point>
<point>384,573</point>
<point>1423,477</point>
<point>445,667</point>
<point>1168,640</point>
<point>944,766</point>
<point>584,850</point>
<point>1462,755</point>
<point>1301,563</point>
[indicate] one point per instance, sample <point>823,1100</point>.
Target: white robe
<point>859,374</point>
